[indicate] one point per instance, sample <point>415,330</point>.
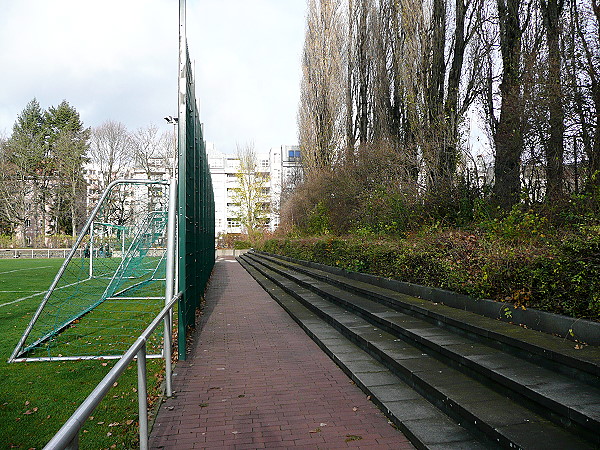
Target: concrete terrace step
<point>553,352</point>
<point>417,418</point>
<point>512,376</point>
<point>496,394</point>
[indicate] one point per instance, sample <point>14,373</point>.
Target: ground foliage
<point>538,256</point>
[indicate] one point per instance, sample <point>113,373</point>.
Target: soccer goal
<point>112,283</point>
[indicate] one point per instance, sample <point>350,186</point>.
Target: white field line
<point>14,292</point>
<point>22,298</point>
<point>29,268</point>
<point>41,293</point>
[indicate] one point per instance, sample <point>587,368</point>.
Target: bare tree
<point>321,111</point>
<point>508,136</point>
<point>551,12</point>
<point>111,151</point>
<point>151,148</point>
<point>586,19</point>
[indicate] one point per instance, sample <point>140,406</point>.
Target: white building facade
<point>282,164</point>
<point>283,167</point>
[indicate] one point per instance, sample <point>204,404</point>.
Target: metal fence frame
<point>196,224</point>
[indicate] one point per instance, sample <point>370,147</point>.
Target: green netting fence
<point>196,224</point>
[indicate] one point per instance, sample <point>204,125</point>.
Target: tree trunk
<point>551,10</point>
<point>449,153</point>
<point>508,138</point>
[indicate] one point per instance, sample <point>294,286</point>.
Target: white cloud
<point>118,60</point>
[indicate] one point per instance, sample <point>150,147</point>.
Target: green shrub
<point>557,275</point>
<point>242,245</point>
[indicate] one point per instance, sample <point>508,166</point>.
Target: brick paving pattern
<point>254,379</point>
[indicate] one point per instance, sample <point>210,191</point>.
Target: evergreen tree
<point>23,189</point>
<point>68,142</point>
<point>42,165</point>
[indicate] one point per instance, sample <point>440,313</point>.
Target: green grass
<point>37,398</point>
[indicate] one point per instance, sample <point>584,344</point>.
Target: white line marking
<point>29,268</point>
<point>42,292</point>
<point>22,298</point>
<point>15,292</point>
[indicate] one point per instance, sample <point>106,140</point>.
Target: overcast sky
<point>117,60</point>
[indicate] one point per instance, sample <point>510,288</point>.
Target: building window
<point>232,223</point>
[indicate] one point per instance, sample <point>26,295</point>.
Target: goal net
<point>111,285</point>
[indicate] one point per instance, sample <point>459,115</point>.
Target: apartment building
<point>283,166</point>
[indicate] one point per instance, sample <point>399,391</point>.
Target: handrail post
<point>170,281</point>
<point>142,397</point>
<point>167,345</point>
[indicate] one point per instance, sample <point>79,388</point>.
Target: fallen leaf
<point>114,424</point>
<point>353,437</point>
<point>316,430</point>
<point>322,424</point>
<point>355,409</point>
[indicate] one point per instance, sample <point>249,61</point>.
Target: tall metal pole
<point>182,175</point>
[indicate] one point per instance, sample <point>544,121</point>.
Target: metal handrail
<point>68,436</point>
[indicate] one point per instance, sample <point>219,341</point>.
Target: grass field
<point>37,398</point>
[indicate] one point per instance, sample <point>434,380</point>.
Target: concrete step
<point>553,352</point>
<point>573,402</point>
<point>466,379</point>
<point>422,422</point>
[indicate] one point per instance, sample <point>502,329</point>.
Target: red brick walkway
<point>256,380</point>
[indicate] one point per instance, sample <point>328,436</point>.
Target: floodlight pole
<point>182,182</point>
